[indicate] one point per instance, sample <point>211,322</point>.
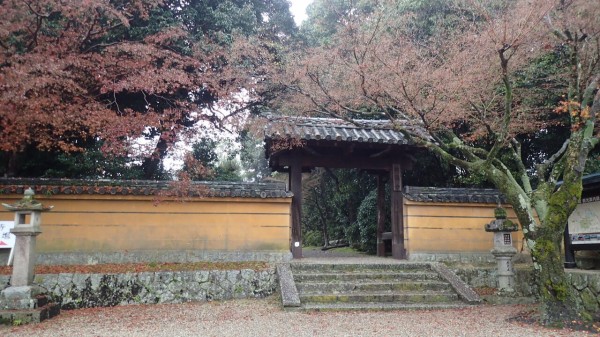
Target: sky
<point>298,10</point>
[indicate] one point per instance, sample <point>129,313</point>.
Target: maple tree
<point>455,93</point>
<point>117,71</point>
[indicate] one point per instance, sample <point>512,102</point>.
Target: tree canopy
<point>116,71</point>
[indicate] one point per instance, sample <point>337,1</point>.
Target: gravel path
<point>265,317</point>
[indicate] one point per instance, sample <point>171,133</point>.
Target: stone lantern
<point>23,300</point>
<point>503,249</point>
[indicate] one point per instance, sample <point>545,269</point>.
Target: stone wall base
<point>585,283</point>
<point>587,287</point>
<point>487,277</point>
<point>73,291</point>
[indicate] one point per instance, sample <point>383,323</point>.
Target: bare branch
<point>590,94</point>
<point>542,169</point>
<point>34,12</point>
<point>35,32</point>
<point>101,45</point>
<point>521,169</point>
<point>89,31</point>
<point>4,45</point>
<point>508,101</point>
<point>444,154</point>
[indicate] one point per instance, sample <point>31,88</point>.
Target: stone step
<point>376,286</point>
<point>24,316</point>
<point>373,286</point>
<point>399,297</point>
<point>362,276</point>
<point>377,306</point>
<point>42,300</point>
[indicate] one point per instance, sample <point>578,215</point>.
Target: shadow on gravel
<point>316,252</point>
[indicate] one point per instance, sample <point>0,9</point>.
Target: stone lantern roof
<point>27,203</point>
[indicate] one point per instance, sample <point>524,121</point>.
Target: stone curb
<point>287,286</point>
<point>464,290</point>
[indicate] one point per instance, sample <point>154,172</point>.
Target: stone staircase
<point>374,286</point>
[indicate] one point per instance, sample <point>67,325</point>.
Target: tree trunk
<point>544,238</point>
<point>152,165</point>
<point>323,224</point>
<point>556,295</point>
<point>11,167</point>
<point>380,214</point>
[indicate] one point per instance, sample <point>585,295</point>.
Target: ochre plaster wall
<point>100,223</point>
<point>451,227</point>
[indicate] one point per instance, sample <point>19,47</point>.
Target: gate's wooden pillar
<point>380,214</point>
<point>398,251</point>
<point>295,178</point>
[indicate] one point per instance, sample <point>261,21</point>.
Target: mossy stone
<point>579,281</point>
<point>594,284</point>
<point>589,301</point>
<point>500,213</point>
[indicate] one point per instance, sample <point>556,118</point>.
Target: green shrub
<point>312,238</point>
<point>352,234</point>
<point>367,223</point>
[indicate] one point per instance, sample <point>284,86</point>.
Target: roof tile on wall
<point>145,188</point>
<point>459,195</point>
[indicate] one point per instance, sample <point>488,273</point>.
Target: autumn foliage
<point>98,71</point>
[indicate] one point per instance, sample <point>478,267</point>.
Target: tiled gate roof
<point>309,128</point>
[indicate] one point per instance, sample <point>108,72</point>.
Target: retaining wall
<point>585,283</point>
<point>93,290</point>
<point>74,291</point>
<point>487,277</point>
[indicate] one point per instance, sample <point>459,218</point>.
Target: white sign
<point>584,222</point>
<point>7,240</point>
<point>585,218</point>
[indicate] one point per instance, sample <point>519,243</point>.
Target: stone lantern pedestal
<point>23,300</point>
<point>503,249</point>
